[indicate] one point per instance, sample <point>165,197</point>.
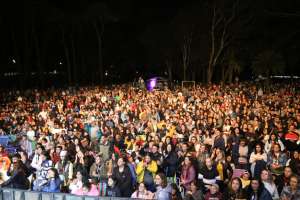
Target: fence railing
<point>12,194</point>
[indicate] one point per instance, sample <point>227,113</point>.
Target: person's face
<point>51,174</point>
<point>147,159</point>
<point>169,148</point>
<point>57,150</point>
<point>276,148</point>
<point>15,160</point>
<point>187,161</point>
<point>79,175</point>
<point>39,150</point>
<point>43,157</point>
<point>121,162</point>
<point>193,187</point>
<point>273,137</point>
<point>296,154</point>
<point>242,143</point>
<point>246,176</point>
<point>228,158</point>
<point>158,180</point>
<point>258,148</point>
<point>154,149</point>
<point>213,189</point>
<point>264,175</point>
<point>142,187</point>
<point>287,172</point>
<point>208,162</point>
<point>294,183</point>
<point>184,147</point>
<point>235,185</point>
<point>110,182</point>
<point>62,157</point>
<point>255,185</point>
<point>98,160</point>
<point>85,189</point>
<point>194,140</point>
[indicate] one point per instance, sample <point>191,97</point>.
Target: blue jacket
<point>52,186</point>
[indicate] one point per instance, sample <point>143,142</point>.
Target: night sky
<point>56,42</point>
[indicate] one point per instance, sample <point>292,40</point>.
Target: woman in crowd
<point>213,193</point>
<point>209,174</point>
<point>276,160</point>
<point>235,190</point>
<point>195,192</point>
<point>258,160</point>
<point>272,141</point>
<point>146,170</point>
<point>170,161</point>
<point>245,178</point>
<point>99,169</point>
<point>65,170</point>
<point>42,171</point>
<point>18,178</point>
<point>142,193</point>
<point>294,162</point>
<point>201,154</point>
<point>163,191</point>
<point>240,154</point>
<point>223,168</point>
<point>112,188</point>
<point>53,182</point>
<point>257,191</point>
<point>293,191</point>
<point>78,181</point>
<point>175,192</point>
<point>88,189</point>
<point>188,173</point>
<point>283,180</point>
<point>122,176</point>
<point>267,180</point>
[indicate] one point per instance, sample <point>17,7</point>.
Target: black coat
<point>264,195</point>
<point>123,181</point>
<point>170,164</point>
<point>113,192</point>
<point>18,180</point>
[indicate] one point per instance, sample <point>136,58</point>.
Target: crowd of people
<point>210,142</point>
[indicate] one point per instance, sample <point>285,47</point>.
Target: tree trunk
<point>230,75</point>
<point>209,74</point>
<point>217,49</point>
<point>170,74</point>
<point>223,74</point>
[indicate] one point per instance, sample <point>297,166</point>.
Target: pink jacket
<point>93,191</point>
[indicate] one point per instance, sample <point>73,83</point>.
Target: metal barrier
<point>13,194</point>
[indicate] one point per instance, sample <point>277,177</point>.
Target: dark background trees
<point>57,43</point>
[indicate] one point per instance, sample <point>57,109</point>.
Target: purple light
<point>151,84</point>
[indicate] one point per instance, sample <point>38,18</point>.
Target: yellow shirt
<point>245,183</point>
<point>220,170</point>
